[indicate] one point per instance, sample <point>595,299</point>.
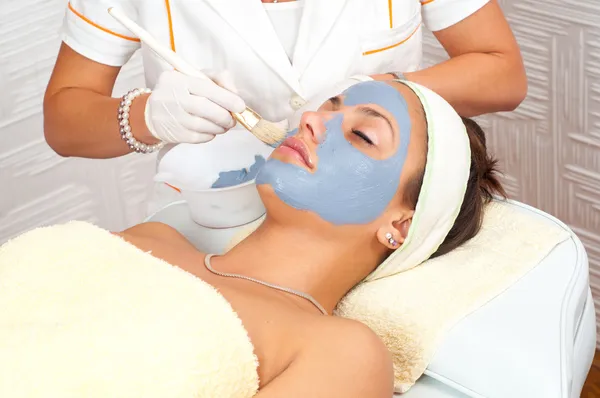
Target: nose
<point>312,126</point>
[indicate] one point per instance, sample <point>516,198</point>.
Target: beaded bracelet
<point>123,117</point>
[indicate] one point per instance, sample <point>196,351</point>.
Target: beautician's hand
<point>318,99</point>
<point>184,109</point>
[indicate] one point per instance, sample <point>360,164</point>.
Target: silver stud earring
<point>390,239</point>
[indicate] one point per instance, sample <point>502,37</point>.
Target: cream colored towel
<point>412,311</point>
<point>85,314</point>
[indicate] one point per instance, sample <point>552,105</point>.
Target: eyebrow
<point>335,102</point>
<point>365,110</point>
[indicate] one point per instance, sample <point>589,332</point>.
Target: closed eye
<point>363,136</point>
<point>336,102</point>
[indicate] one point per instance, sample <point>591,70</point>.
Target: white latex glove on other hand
<point>319,98</point>
<point>184,109</point>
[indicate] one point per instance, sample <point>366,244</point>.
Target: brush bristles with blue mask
<point>271,133</point>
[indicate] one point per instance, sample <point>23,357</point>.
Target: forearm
<point>476,83</point>
<point>485,72</point>
<point>80,122</point>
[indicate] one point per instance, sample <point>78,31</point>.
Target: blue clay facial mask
<point>348,186</point>
<point>237,177</point>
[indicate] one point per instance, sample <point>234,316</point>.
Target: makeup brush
<point>268,132</point>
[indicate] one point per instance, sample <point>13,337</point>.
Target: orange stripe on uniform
<point>95,25</point>
<point>426,2</point>
<point>170,18</point>
<point>171,186</point>
<point>393,45</point>
<point>390,12</point>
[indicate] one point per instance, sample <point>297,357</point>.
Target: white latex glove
<point>319,98</point>
<point>184,109</point>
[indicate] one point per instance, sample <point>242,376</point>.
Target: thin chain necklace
<point>273,286</point>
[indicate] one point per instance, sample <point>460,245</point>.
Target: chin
<point>266,193</point>
<point>273,205</point>
<point>276,209</point>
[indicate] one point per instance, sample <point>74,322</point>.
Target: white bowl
<point>194,168</point>
<point>225,207</point>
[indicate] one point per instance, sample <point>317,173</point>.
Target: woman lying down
<point>374,182</point>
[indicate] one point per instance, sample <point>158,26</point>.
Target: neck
<point>299,259</point>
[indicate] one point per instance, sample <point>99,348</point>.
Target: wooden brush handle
<point>248,118</point>
<point>168,55</point>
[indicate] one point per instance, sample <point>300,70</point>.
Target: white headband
<point>444,185</point>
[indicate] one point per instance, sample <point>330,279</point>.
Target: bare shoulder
<point>153,234</point>
<point>340,358</point>
<point>355,338</point>
<point>151,229</point>
<point>358,356</point>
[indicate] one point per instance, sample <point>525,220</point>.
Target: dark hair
<point>482,185</point>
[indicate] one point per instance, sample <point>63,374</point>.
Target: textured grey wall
<point>36,186</point>
<point>549,147</point>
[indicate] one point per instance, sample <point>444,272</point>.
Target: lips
<point>297,149</point>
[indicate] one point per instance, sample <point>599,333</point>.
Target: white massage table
<point>535,340</point>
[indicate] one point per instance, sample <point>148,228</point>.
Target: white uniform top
<point>285,18</point>
<point>335,39</point>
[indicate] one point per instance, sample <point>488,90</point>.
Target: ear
<point>393,233</point>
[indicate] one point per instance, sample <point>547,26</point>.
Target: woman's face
<point>345,160</point>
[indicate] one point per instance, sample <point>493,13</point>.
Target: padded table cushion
<point>537,339</point>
